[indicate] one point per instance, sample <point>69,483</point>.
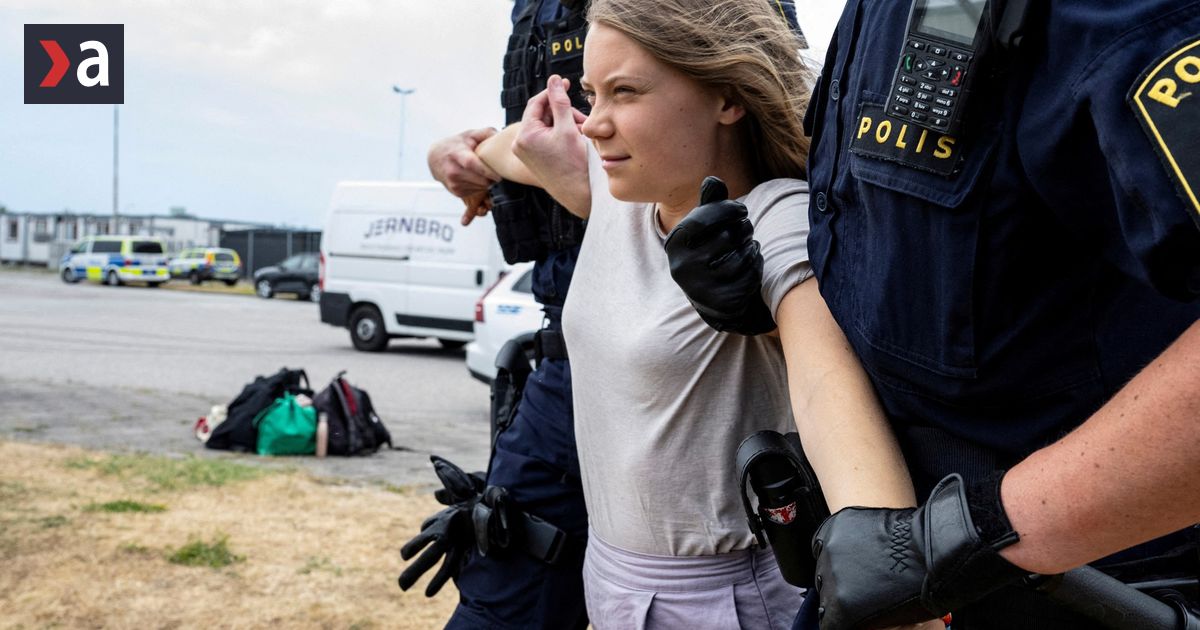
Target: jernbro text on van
<point>418,226</point>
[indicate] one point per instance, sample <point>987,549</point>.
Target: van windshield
<point>147,247</point>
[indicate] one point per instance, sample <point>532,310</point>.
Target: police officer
<point>520,583</point>
<point>1023,291</point>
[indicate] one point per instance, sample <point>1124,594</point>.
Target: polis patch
<point>1164,101</point>
<point>883,137</point>
<point>566,45</point>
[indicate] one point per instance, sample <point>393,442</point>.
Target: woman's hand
<point>550,145</point>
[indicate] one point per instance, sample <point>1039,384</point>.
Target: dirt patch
<point>302,552</point>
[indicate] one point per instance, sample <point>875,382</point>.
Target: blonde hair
<point>743,48</point>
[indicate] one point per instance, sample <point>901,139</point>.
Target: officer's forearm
<point>1129,474</point>
<point>841,425</point>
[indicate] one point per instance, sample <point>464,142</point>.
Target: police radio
<point>945,42</point>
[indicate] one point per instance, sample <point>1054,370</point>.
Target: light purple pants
<point>633,591</point>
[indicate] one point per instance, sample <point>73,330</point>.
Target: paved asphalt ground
<point>131,368</point>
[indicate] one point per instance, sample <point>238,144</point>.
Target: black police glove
<point>448,534</point>
<point>457,485</point>
<point>880,567</point>
<point>716,261</point>
<point>451,535</point>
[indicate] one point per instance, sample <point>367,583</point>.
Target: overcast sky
<point>253,110</point>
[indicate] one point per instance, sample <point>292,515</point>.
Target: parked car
<point>115,260</point>
<point>298,274</point>
<point>207,263</point>
<point>506,311</point>
<point>396,262</point>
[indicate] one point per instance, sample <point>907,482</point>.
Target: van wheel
<point>194,278</point>
<point>367,330</point>
<point>451,344</point>
<point>68,276</point>
<point>112,279</point>
<point>264,289</point>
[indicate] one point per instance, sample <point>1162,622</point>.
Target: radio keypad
<point>929,73</point>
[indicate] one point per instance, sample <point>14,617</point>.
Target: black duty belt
<point>549,344</point>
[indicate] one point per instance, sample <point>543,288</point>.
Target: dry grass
<point>210,286</point>
<point>309,555</point>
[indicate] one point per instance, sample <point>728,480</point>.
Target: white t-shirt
<point>661,399</point>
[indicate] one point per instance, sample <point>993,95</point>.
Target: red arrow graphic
<point>61,63</point>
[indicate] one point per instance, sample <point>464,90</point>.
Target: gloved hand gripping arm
<point>882,567</point>
<point>717,263</point>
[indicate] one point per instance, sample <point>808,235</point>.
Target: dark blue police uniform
<point>997,307</point>
<point>535,460</point>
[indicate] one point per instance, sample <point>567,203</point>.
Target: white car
<point>505,311</point>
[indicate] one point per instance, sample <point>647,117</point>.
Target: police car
<point>506,311</point>
<point>115,260</point>
<point>206,263</point>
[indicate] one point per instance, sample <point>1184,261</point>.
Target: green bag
<point>286,428</point>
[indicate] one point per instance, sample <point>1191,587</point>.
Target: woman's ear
<point>731,111</point>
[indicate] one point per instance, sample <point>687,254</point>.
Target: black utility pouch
<point>518,222</point>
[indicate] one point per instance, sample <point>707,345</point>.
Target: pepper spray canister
<point>790,503</point>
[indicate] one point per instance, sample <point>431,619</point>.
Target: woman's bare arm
<point>497,153</point>
<point>841,424</point>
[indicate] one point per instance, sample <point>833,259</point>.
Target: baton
<point>1112,603</point>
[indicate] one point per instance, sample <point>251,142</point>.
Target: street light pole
<point>116,118</point>
<point>403,92</point>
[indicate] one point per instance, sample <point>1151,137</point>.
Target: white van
<point>396,262</point>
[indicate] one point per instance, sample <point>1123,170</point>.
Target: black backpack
<point>354,427</point>
<point>237,432</point>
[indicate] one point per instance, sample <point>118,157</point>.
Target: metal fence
<point>263,247</point>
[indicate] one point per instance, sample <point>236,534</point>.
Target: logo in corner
<point>71,64</point>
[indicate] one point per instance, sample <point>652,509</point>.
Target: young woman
<point>683,89</point>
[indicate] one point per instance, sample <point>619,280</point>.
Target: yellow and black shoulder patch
<point>1165,101</point>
